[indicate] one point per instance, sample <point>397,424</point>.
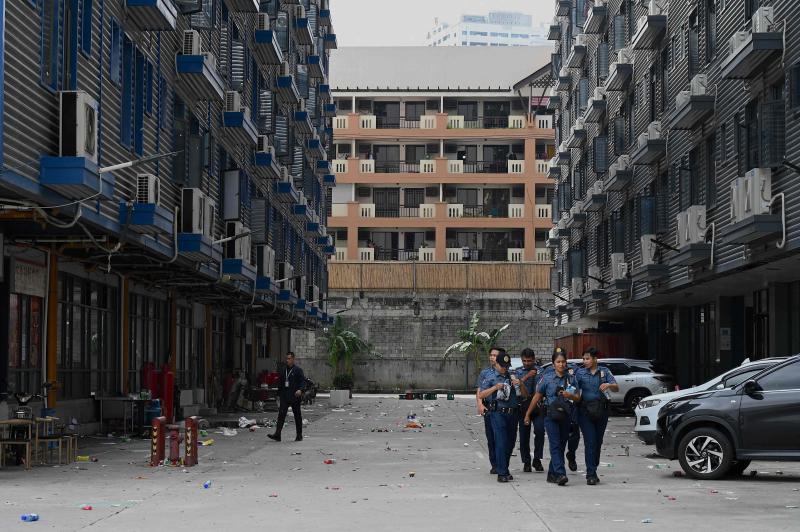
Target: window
<point>25,319</point>
<point>69,53</point>
<point>785,378</point>
<point>126,105</point>
<point>722,138</point>
<point>711,171</point>
<point>711,29</point>
<point>794,86</point>
<point>583,94</point>
<point>773,125</point>
<point>139,104</point>
<point>601,243</point>
<point>115,64</point>
<point>600,154</point>
<point>618,234</point>
<point>148,87</point>
<point>736,380</point>
<point>630,106</point>
<point>602,63</point>
<point>179,126</point>
<point>693,45</point>
<point>49,38</point>
<point>86,26</point>
<point>164,103</point>
<point>647,216</point>
<point>619,135</point>
<point>149,341</point>
<point>618,368</point>
<point>619,32</point>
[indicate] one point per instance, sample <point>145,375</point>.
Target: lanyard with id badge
<point>288,374</point>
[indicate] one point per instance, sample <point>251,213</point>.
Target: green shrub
<point>343,381</point>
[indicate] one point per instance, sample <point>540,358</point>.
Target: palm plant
<point>474,343</point>
<point>342,344</point>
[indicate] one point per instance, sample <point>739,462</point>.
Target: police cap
<point>504,360</point>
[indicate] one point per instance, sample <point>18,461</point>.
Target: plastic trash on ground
<point>229,432</point>
<point>244,422</point>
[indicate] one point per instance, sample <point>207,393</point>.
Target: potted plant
<point>342,345</point>
<point>475,344</point>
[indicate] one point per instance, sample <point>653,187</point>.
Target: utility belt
<point>492,407</point>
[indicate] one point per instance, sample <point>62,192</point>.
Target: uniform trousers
<point>593,432</point>
<point>504,427</point>
<point>557,436</point>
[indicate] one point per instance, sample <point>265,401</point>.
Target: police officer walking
<point>594,384</point>
<point>559,389</point>
<point>528,376</point>
<point>499,391</point>
<point>487,424</point>
<point>290,391</point>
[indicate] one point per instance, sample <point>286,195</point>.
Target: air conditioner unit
<point>579,124</point>
<point>577,208</point>
<point>657,7</point>
<point>641,140</point>
<point>619,268</point>
<point>286,69</point>
<point>756,192</point>
<point>303,200</point>
<point>592,281</point>
<point>698,85</point>
<point>148,189</point>
<point>300,286</point>
<point>624,162</point>
<point>313,294</point>
<point>265,261</point>
<point>578,287</point>
<point>624,56</point>
<point>563,147</point>
<point>193,211</point>
<point>233,101</point>
<point>191,43</point>
<point>285,274</point>
<point>654,130</point>
<point>737,41</point>
<point>78,125</point>
<point>599,94</point>
<point>580,39</point>
<point>736,200</point>
<point>263,146</point>
<point>263,22</point>
<point>649,249</point>
<point>691,226</point>
<point>285,175</point>
<point>562,223</point>
<point>596,188</point>
<point>763,19</point>
<point>238,248</point>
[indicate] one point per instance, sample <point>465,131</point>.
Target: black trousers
<point>298,417</point>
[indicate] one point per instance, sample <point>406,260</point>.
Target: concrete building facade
<point>496,28</point>
<point>443,204</point>
<point>205,253</point>
<point>676,171</point>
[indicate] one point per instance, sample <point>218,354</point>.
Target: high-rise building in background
<point>497,28</point>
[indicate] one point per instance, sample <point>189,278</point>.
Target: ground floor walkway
<point>385,477</point>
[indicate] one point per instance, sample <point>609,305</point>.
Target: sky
<point>407,22</point>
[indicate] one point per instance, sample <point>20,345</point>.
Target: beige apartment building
<point>439,158</point>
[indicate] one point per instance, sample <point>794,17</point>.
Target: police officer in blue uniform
<point>559,390</point>
<point>501,396</point>
<point>594,383</point>
<point>529,375</point>
<point>487,425</point>
<point>574,439</point>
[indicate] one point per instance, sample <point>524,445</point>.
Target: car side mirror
<point>751,387</point>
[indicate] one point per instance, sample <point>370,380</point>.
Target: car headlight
<point>649,403</point>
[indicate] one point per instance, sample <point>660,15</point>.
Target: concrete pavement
<point>258,484</point>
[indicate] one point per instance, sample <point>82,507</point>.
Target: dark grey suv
<point>718,432</point>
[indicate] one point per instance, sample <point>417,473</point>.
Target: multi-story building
<point>164,175</point>
<point>675,175</point>
<point>497,28</point>
<point>442,191</point>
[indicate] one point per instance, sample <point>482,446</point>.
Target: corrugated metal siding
<point>31,110</point>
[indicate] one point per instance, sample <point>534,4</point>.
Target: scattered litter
<point>647,520</point>
<point>206,484</point>
<point>273,495</point>
<point>229,432</point>
<point>731,498</point>
<point>714,491</point>
<point>677,473</point>
<point>337,410</point>
<point>206,443</point>
<point>618,521</point>
<point>779,472</point>
<point>753,473</point>
<point>444,495</point>
<point>329,461</point>
<point>29,517</point>
<point>305,421</point>
<point>411,474</point>
<point>466,444</point>
<point>791,506</point>
<point>85,458</point>
<point>672,498</point>
<point>203,433</point>
<point>140,478</point>
<point>86,507</point>
<point>606,464</point>
<point>254,427</point>
<point>333,488</point>
<point>414,425</point>
<point>296,453</point>
<point>244,422</point>
<point>429,409</point>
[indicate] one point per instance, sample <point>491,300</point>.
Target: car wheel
<point>738,467</point>
<point>705,454</point>
<point>634,397</point>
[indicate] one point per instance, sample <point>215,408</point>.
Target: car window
<point>640,369</point>
<point>618,368</point>
<point>735,380</point>
<point>785,378</point>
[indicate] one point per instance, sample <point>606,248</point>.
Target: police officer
<point>594,383</point>
<point>574,439</point>
<point>487,425</point>
<point>499,391</point>
<point>528,376</point>
<point>559,390</point>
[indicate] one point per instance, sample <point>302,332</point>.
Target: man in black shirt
<point>290,392</point>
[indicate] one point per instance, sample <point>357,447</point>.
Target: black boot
<point>573,465</point>
<point>537,465</point>
<point>276,436</point>
<point>526,468</point>
<point>299,437</point>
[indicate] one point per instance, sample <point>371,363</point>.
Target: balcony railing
<point>456,254</point>
<point>382,122</point>
<point>397,212</point>
<point>396,167</point>
<point>396,254</point>
<point>484,211</point>
<point>486,167</point>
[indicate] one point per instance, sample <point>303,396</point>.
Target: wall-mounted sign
<point>28,277</point>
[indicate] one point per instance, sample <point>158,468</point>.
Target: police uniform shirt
<point>589,384</point>
<point>530,384</point>
<point>485,372</point>
<point>496,378</point>
<point>550,382</point>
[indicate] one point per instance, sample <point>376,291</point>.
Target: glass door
<point>495,202</point>
<point>387,202</point>
<point>386,245</point>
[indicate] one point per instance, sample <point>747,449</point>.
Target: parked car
<point>647,411</point>
<point>718,432</point>
<point>637,379</point>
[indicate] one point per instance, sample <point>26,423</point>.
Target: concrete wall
<point>411,348</point>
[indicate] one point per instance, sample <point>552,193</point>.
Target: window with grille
<point>602,63</point>
<point>618,233</point>
<point>711,171</point>
<point>619,135</point>
<point>600,154</point>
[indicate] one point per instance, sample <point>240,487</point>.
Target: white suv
<point>636,378</point>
